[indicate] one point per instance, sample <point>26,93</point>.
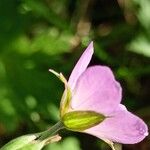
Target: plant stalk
<point>51,131</point>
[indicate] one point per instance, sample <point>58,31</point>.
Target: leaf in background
<point>49,41</point>
<point>42,10</point>
<point>141,45</point>
<point>143,13</point>
<point>69,143</point>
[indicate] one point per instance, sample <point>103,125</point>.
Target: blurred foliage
<point>69,143</point>
<point>36,35</point>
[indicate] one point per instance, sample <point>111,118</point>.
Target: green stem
<point>51,131</point>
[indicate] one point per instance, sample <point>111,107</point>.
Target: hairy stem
<point>51,131</point>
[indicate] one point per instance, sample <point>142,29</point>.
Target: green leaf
<point>140,45</point>
<point>19,142</point>
<point>81,120</point>
<point>30,142</point>
<point>36,145</point>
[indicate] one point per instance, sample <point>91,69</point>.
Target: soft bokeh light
<point>37,35</point>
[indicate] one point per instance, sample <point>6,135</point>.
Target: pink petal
<point>96,90</point>
<point>81,65</point>
<point>123,127</point>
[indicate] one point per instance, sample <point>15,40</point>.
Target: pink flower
<point>95,89</point>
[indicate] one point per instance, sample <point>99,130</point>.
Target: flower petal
<point>81,65</point>
<point>123,127</point>
<point>96,90</point>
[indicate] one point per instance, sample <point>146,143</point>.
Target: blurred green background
<point>36,35</point>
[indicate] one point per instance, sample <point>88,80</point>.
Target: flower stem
<point>51,131</point>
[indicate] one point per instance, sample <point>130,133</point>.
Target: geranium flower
<point>91,104</point>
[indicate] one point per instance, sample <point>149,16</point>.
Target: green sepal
<point>66,97</point>
<point>65,101</point>
<point>81,120</point>
<point>19,142</point>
